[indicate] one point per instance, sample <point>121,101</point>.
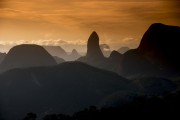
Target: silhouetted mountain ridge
<point>2,56</point>
<point>122,50</point>
<point>57,51</point>
<point>37,84</point>
<point>105,48</point>
<point>160,45</point>
<point>58,60</point>
<point>61,53</point>
<point>157,53</point>
<point>115,55</point>
<point>74,55</point>
<point>26,55</point>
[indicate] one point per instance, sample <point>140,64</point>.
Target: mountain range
<point>37,79</point>
<point>59,52</point>
<point>122,50</point>
<point>156,54</point>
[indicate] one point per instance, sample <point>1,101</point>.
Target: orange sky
<point>68,23</point>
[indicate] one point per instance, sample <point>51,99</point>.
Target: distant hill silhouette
<point>74,55</point>
<point>65,88</point>
<point>5,48</point>
<point>61,53</point>
<point>58,60</point>
<point>116,56</point>
<point>57,51</point>
<point>105,50</point>
<point>26,55</point>
<point>114,62</point>
<point>122,50</point>
<point>2,56</point>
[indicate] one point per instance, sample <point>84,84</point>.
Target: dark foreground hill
<point>161,107</point>
<point>65,88</point>
<point>69,87</point>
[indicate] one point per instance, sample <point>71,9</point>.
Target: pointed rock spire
<point>93,48</point>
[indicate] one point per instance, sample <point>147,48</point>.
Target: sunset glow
<point>68,23</point>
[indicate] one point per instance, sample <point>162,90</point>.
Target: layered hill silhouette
<point>114,62</point>
<point>155,56</point>
<point>2,56</point>
<point>74,55</point>
<point>33,80</point>
<point>105,48</point>
<point>96,58</point>
<point>64,88</point>
<point>26,55</point>
<point>115,56</point>
<point>57,51</point>
<point>122,50</point>
<point>61,53</point>
<point>58,60</point>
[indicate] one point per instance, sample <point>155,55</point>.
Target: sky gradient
<point>69,23</point>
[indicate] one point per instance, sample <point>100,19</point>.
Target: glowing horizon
<point>68,23</point>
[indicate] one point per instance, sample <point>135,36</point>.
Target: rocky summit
<point>93,48</point>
